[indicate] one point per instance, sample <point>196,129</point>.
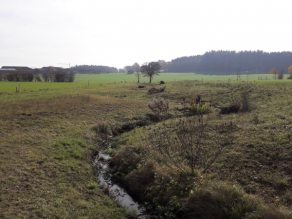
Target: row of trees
<point>17,76</point>
<point>229,61</point>
<point>94,69</point>
<point>59,77</point>
<point>213,62</point>
<point>280,74</point>
<point>56,76</point>
<point>222,62</point>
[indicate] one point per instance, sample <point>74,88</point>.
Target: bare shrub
<point>159,107</point>
<point>189,144</point>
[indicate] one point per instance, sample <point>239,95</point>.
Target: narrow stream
<point>115,191</point>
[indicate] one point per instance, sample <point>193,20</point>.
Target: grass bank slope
<point>46,153</point>
<point>254,168</point>
<point>47,144</point>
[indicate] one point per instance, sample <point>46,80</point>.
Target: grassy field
<point>45,158</point>
<point>167,77</point>
<point>95,80</point>
<point>47,142</point>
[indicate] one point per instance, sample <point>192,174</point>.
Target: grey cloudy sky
<point>116,33</point>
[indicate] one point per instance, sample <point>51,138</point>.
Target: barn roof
<point>20,68</point>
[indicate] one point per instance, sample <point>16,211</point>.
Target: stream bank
<point>114,190</point>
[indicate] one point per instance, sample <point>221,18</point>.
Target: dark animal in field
<point>153,90</point>
<point>230,109</point>
<point>161,82</point>
<point>141,86</point>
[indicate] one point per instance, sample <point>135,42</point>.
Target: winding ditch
<point>114,190</point>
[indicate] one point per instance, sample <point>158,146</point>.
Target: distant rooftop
<point>20,68</point>
<point>7,69</point>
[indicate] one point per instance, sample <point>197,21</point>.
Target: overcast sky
<point>116,33</point>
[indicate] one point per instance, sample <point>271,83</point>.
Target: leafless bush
<point>189,144</point>
<point>159,107</point>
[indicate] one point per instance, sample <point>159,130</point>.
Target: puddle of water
<point>115,191</point>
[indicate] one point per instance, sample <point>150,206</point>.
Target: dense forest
<point>222,62</point>
<point>213,62</point>
<point>95,69</point>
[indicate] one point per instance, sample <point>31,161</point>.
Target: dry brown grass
<point>45,160</point>
<point>46,147</point>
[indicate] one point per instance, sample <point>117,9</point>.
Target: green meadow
<point>50,131</point>
<point>81,81</point>
<point>167,77</point>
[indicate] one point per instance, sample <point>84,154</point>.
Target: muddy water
<point>116,191</point>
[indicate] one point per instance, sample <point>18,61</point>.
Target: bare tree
<point>150,69</point>
<point>136,68</point>
<point>138,76</point>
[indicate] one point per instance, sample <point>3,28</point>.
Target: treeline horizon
<point>231,61</point>
<point>95,69</point>
<point>212,62</point>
